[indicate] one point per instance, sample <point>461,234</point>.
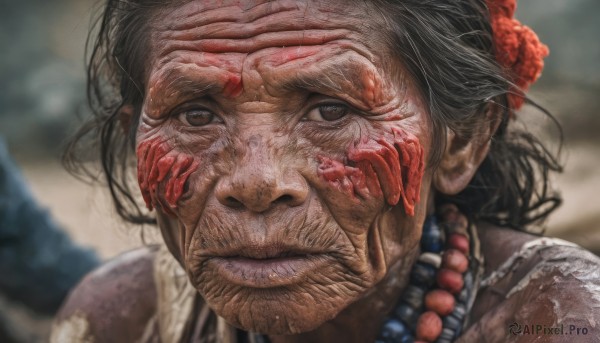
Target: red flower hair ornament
<point>518,49</point>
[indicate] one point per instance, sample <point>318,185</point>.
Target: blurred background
<point>42,86</point>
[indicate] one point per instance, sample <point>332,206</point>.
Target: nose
<point>260,181</point>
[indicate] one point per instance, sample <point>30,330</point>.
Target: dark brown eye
<point>327,113</point>
<point>197,117</point>
<point>332,112</point>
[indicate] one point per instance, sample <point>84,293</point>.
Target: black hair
<point>448,51</point>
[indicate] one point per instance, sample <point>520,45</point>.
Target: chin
<point>279,311</point>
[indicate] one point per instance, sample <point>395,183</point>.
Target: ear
<point>463,156</point>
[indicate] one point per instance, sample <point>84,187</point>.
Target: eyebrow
<point>343,80</point>
<point>171,86</point>
<point>176,81</point>
<point>328,79</point>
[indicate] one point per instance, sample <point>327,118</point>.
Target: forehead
<point>249,18</point>
<point>209,46</point>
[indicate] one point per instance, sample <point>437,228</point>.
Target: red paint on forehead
<point>391,166</point>
<point>233,86</point>
<point>162,168</point>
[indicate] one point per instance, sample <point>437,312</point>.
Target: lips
<point>266,266</point>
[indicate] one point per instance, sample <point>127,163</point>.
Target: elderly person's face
<point>283,149</point>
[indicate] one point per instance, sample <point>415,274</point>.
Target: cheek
<point>391,166</point>
<point>159,163</point>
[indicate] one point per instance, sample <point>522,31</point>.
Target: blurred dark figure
<point>39,263</point>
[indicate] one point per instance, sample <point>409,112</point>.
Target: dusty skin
<point>264,131</point>
<point>285,153</point>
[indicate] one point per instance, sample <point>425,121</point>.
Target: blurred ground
<point>84,210</point>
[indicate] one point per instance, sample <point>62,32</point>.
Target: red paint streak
<point>392,169</point>
<point>361,180</point>
<point>233,86</point>
<point>159,163</point>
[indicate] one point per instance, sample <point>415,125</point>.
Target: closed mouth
<point>267,266</point>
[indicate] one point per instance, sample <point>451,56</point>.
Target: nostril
<point>286,198</point>
<point>233,202</point>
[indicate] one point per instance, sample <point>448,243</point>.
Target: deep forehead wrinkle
<point>233,29</point>
<point>201,13</point>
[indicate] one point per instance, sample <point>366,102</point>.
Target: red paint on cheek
<point>360,180</point>
<point>391,166</point>
<point>159,163</point>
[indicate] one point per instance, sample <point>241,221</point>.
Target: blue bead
<point>431,241</point>
<point>451,322</point>
<point>393,330</point>
<point>430,223</point>
<point>407,339</point>
<point>468,278</point>
<point>447,336</point>
<point>463,296</point>
<point>407,314</point>
<point>423,275</point>
<point>459,312</point>
<point>455,320</point>
<point>457,332</point>
<point>413,296</point>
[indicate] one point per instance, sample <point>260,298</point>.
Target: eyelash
<point>348,111</point>
<point>311,113</point>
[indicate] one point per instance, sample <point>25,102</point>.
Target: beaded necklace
<point>434,305</point>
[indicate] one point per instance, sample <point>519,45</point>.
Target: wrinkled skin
<point>291,215</point>
<point>279,132</point>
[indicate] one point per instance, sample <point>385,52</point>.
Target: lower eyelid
<point>316,108</point>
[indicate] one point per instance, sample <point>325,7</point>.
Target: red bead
<point>440,302</point>
<point>455,260</point>
<point>429,327</point>
<point>450,280</point>
<point>459,242</point>
<point>456,219</point>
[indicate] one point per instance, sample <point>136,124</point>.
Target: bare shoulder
<point>535,288</point>
<point>111,304</point>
